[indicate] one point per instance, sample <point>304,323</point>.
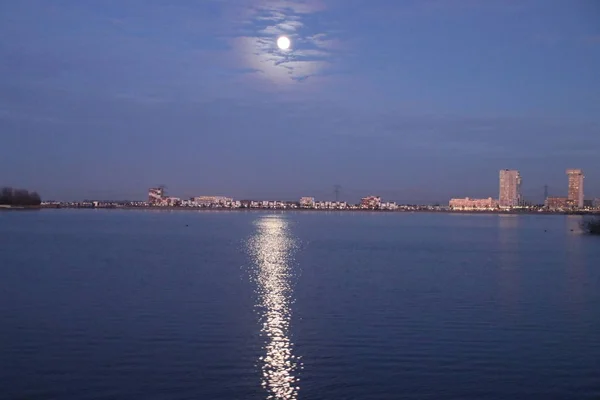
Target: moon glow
<point>283,42</point>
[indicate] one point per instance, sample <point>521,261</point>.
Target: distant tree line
<point>19,197</point>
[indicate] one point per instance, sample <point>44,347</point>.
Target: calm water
<point>233,305</point>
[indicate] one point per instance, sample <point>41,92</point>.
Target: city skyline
<point>509,199</point>
<point>509,196</point>
<point>509,183</point>
<point>413,100</point>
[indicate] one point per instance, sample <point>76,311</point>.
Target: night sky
<point>416,101</point>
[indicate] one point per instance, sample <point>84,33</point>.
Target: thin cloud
<point>309,55</point>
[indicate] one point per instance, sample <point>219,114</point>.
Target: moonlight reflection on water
<point>272,248</point>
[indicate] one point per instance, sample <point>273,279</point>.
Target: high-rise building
<point>510,188</point>
<point>576,187</point>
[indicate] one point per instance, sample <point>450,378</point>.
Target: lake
<point>110,304</point>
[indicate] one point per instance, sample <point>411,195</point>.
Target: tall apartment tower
<point>576,187</point>
<point>510,188</point>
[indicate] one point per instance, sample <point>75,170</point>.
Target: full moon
<point>283,43</point>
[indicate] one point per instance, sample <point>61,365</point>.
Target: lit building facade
<point>576,187</point>
<point>473,204</point>
<point>510,188</point>
<point>172,201</point>
<point>156,195</point>
<point>207,201</point>
<point>307,202</point>
<point>558,203</point>
<point>390,205</point>
<point>370,202</point>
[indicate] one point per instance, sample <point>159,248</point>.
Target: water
<point>246,305</point>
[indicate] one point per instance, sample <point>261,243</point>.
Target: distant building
<point>156,195</point>
<point>370,202</point>
<point>473,204</point>
<point>330,205</point>
<point>392,206</point>
<point>558,203</point>
<point>510,188</point>
<point>576,187</point>
<point>307,202</point>
<point>588,203</point>
<point>207,201</point>
<point>172,201</point>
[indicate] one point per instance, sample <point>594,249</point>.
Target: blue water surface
<point>121,304</point>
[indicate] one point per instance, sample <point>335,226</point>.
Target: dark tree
<point>6,195</point>
<point>35,199</point>
<point>19,197</point>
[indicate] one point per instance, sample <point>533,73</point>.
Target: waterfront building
<point>468,204</point>
<point>307,202</point>
<point>156,195</point>
<point>558,203</point>
<point>322,205</point>
<point>370,202</point>
<point>330,205</point>
<point>390,205</point>
<point>576,187</point>
<point>207,201</point>
<point>510,188</point>
<point>172,201</point>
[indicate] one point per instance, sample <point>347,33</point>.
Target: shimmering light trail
<point>272,249</point>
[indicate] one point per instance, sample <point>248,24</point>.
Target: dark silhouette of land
<point>10,197</point>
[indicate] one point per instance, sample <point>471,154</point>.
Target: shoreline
<point>483,212</point>
<point>19,208</point>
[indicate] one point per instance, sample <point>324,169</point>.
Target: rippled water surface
<point>252,305</point>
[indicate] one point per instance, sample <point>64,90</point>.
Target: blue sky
<point>417,101</point>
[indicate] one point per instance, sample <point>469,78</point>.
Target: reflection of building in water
<point>575,266</point>
<point>508,221</point>
<point>271,249</point>
<point>508,268</point>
